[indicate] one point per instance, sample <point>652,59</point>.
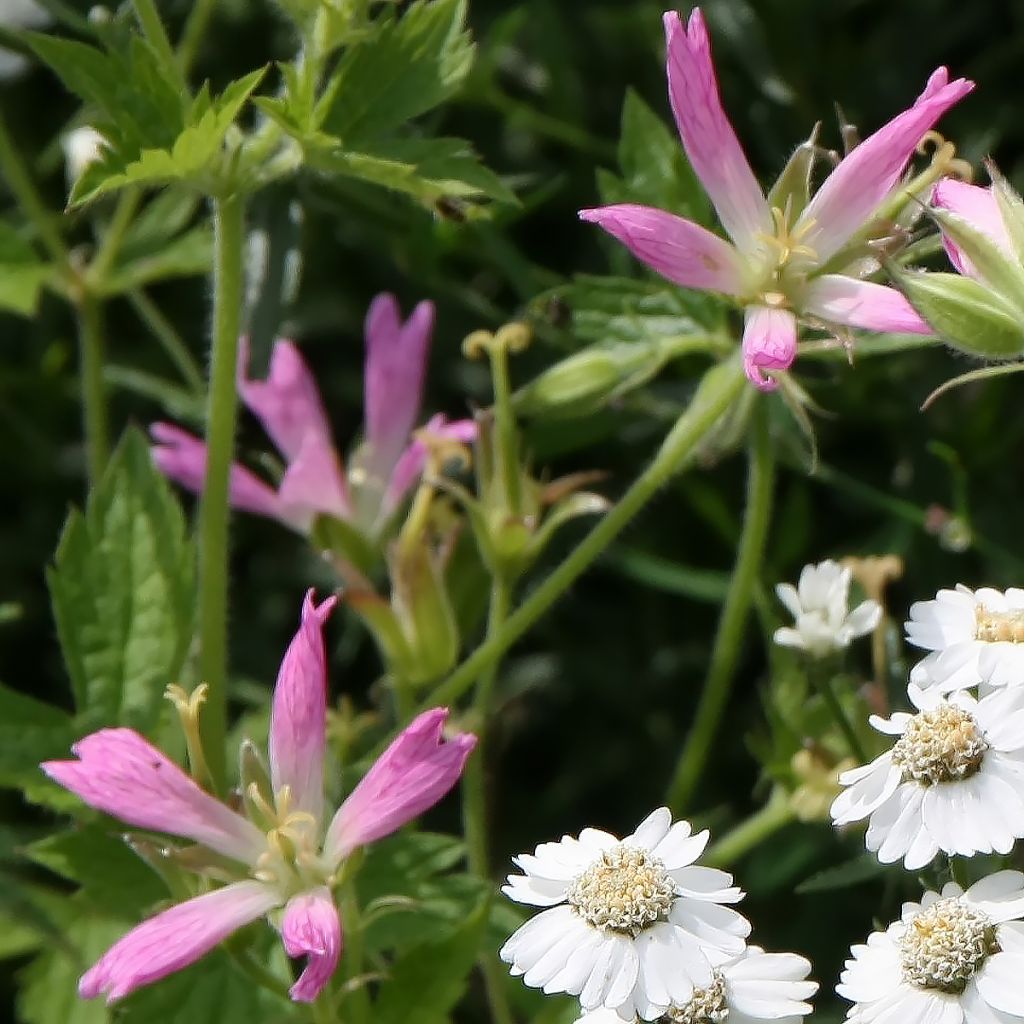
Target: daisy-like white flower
<point>286,851</point>
<point>975,637</point>
<point>785,262</point>
<point>952,781</point>
<point>631,924</point>
<point>820,606</point>
<point>756,986</point>
<point>954,958</point>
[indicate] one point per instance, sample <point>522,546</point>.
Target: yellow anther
<point>188,706</point>
<point>259,801</point>
<point>786,241</point>
<point>477,344</point>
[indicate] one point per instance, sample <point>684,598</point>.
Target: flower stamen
<point>941,745</point>
<point>945,945</point>
<point>999,627</point>
<point>706,1005</point>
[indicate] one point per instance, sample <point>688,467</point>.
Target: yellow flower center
<point>999,627</point>
<point>942,745</point>
<point>944,945</point>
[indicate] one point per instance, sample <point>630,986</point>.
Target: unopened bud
<point>82,148</point>
<point>965,314</point>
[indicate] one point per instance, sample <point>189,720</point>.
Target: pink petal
<point>411,462</point>
<point>174,939</point>
<point>396,364</point>
<point>937,80</point>
<point>298,717</point>
<point>415,771</point>
<point>314,484</point>
<point>979,208</point>
<point>120,773</point>
<point>182,458</point>
<point>676,248</point>
<point>288,402</point>
<point>312,928</point>
<point>851,193</point>
<point>769,343</point>
<point>708,138</point>
<point>874,307</point>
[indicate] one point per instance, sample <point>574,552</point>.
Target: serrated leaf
<point>122,587</point>
<point>424,985</point>
<point>403,69</point>
<point>22,274</point>
<point>114,880</point>
<point>30,732</point>
<point>853,872</point>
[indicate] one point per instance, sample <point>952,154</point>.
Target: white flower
<point>975,636</point>
<point>632,924</point>
<point>756,986</point>
<point>820,606</point>
<point>82,147</point>
<point>957,958</point>
<point>953,781</point>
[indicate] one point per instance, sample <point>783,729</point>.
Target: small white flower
<point>820,606</point>
<point>975,636</point>
<point>82,147</point>
<point>954,958</point>
<point>756,986</point>
<point>632,924</point>
<point>953,780</point>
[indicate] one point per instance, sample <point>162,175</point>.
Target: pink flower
<point>979,208</point>
<point>288,404</point>
<point>773,269</point>
<point>292,865</point>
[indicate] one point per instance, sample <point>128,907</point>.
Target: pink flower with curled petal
<point>772,268</point>
<point>290,860</point>
<point>289,406</point>
<point>979,208</point>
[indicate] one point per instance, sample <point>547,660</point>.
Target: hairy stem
<point>729,637</point>
<point>221,414</point>
<point>474,796</point>
<point>718,389</point>
<point>94,398</point>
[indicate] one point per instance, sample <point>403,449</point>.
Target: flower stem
<point>243,959</point>
<point>221,414</point>
<point>718,389</point>
<point>171,341</point>
<point>821,679</point>
<point>94,400</point>
<point>356,999</point>
<point>731,625</point>
<point>739,841</point>
<point>474,795</point>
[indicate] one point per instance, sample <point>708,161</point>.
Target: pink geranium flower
<point>980,209</point>
<point>776,270</point>
<point>385,466</point>
<point>291,859</point>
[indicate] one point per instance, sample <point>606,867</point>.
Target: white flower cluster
<point>639,931</point>
<point>952,781</point>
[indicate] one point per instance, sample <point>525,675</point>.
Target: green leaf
<point>853,872</point>
<point>22,274</point>
<point>187,255</point>
<point>122,591</point>
<point>30,732</point>
<point>425,984</point>
<point>113,879</point>
<point>654,167</point>
<point>403,69</point>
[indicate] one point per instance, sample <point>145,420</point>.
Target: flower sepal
<point>964,313</point>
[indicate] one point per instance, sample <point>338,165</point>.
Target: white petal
<point>652,830</point>
<point>701,883</point>
<point>999,982</point>
<point>999,896</point>
<point>679,848</point>
<point>869,790</point>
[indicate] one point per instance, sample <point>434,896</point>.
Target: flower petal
<point>120,773</point>
<point>396,364</point>
<point>769,343</point>
<point>298,718</point>
<point>979,208</point>
<point>852,303</point>
<point>174,939</point>
<point>851,193</point>
<point>708,138</point>
<point>676,248</point>
<point>415,771</point>
<point>311,928</point>
<point>314,484</point>
<point>181,457</point>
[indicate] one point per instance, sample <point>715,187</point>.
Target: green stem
<point>731,625</point>
<point>192,34</point>
<point>821,679</point>
<point>94,399</point>
<point>356,999</point>
<point>127,206</point>
<point>173,344</point>
<point>243,959</point>
<point>474,797</point>
<point>221,414</point>
<point>19,181</point>
<point>739,841</point>
<point>505,425</point>
<point>718,389</point>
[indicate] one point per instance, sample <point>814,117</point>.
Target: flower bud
<point>965,314</point>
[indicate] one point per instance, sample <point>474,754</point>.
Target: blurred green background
<point>598,697</point>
